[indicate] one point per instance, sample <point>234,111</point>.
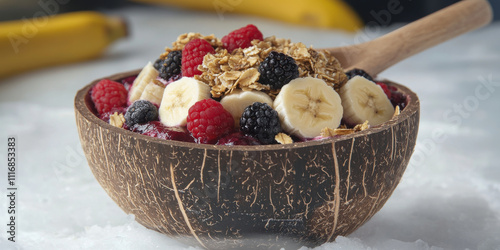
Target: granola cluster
<point>343,130</point>
<point>225,72</point>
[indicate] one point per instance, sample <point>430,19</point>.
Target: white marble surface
<point>449,198</point>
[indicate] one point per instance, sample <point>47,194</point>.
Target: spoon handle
<point>377,55</point>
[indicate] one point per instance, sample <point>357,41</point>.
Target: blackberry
<point>140,111</point>
<point>260,121</point>
<point>172,65</point>
<point>158,63</point>
<point>277,70</point>
<point>358,72</point>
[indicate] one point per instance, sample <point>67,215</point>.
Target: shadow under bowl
<point>268,196</point>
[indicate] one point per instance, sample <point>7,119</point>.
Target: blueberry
<point>141,111</point>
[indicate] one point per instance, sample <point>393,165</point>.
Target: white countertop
<point>448,198</point>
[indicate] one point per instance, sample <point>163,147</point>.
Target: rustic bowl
<point>268,196</point>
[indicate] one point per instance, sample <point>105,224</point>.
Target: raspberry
<point>358,72</point>
<point>171,65</point>
<point>107,94</point>
<point>277,70</point>
<point>261,121</point>
<point>385,88</point>
<point>208,120</point>
<point>241,38</point>
<point>192,56</point>
<point>141,111</point>
<point>237,138</point>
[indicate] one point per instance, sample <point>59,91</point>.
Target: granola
<point>117,120</point>
<point>342,130</point>
<point>283,138</point>
<point>225,71</point>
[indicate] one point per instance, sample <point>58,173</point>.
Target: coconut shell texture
<point>264,197</point>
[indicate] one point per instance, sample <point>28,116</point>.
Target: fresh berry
<point>192,56</point>
<point>158,63</point>
<point>158,130</point>
<point>208,120</point>
<point>260,121</point>
<point>107,94</point>
<point>241,38</point>
<point>358,72</point>
<point>385,89</point>
<point>141,111</point>
<point>172,65</point>
<point>277,70</point>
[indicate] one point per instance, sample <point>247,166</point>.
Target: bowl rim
<point>81,106</point>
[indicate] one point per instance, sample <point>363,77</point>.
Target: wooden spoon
<point>377,55</point>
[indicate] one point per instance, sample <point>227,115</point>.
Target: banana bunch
<point>315,13</point>
<point>51,40</point>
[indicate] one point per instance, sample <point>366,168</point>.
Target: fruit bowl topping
<point>245,86</point>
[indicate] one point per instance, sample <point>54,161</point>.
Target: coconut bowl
<point>268,196</point>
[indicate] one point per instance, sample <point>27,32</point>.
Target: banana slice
<point>147,75</point>
<point>363,100</point>
<point>153,92</point>
<point>238,100</point>
<point>178,97</point>
<point>306,106</point>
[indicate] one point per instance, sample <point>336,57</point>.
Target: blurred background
<point>348,16</point>
<point>16,9</point>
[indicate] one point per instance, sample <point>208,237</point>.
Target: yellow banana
<point>44,41</point>
<point>316,13</point>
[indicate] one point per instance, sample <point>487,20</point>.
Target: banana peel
<point>334,14</point>
<point>53,40</point>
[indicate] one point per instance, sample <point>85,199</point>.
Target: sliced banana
<point>363,100</point>
<point>153,92</point>
<point>238,100</point>
<point>178,97</point>
<point>306,106</point>
<point>147,75</point>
